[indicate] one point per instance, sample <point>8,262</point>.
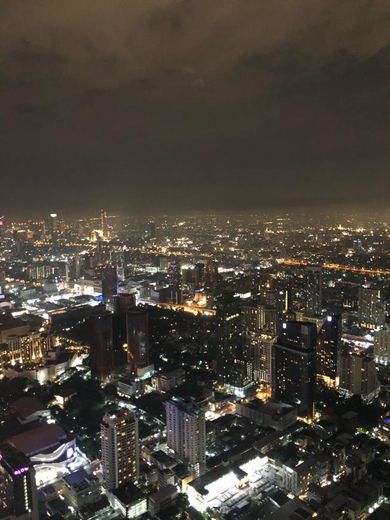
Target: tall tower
<point>235,367</point>
<point>313,290</point>
<point>51,226</point>
<point>329,349</point>
<point>174,280</point>
<point>186,433</point>
<point>104,224</point>
<point>137,325</point>
<point>120,447</point>
<point>100,336</point>
<point>294,366</point>
<point>109,283</point>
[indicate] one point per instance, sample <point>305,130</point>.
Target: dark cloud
<point>175,104</point>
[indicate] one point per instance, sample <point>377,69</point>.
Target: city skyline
<point>197,366</point>
<point>194,259</point>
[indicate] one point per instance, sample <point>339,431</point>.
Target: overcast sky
<point>193,104</point>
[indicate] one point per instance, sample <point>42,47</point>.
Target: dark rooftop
<point>128,493</point>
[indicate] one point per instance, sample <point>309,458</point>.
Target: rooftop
<point>128,493</point>
<point>26,406</point>
<point>38,439</point>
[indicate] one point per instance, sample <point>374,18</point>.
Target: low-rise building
<point>272,414</point>
<point>128,500</point>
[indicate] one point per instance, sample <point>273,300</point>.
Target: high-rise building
<point>371,308</point>
<point>137,325</point>
<point>358,375</point>
<point>104,224</point>
<point>251,318</point>
<point>382,346</point>
<point>174,280</point>
<point>120,447</point>
<point>329,349</point>
<point>234,362</point>
<point>100,337</point>
<point>174,274</point>
<point>186,433</point>
<point>18,493</point>
<point>294,366</point>
<point>51,226</point>
<point>211,275</point>
<point>313,290</point>
<point>124,302</point>
<point>284,300</point>
<point>261,345</point>
<point>199,272</point>
<point>109,283</point>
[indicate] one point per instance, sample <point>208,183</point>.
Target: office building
<point>294,366</point>
<point>120,447</point>
<point>329,347</point>
<point>313,275</point>
<point>371,308</point>
<point>186,433</point>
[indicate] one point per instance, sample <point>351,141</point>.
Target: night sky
<point>168,105</point>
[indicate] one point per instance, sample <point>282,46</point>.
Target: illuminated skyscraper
<point>174,280</point>
<point>186,433</point>
<point>329,349</point>
<point>261,345</point>
<point>313,290</point>
<point>234,361</point>
<point>104,224</point>
<point>120,447</point>
<point>51,226</point>
<point>294,366</point>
